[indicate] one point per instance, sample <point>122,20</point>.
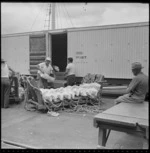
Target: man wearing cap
<point>5,83</point>
<point>45,68</point>
<point>138,87</point>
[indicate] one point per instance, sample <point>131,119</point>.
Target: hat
<point>47,59</point>
<point>137,65</point>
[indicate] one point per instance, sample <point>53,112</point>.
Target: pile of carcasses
<point>70,92</point>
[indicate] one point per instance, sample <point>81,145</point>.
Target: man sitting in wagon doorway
<point>45,73</point>
<point>138,87</point>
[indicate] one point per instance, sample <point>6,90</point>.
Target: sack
<point>21,93</point>
<point>47,77</point>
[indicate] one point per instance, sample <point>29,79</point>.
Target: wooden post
<point>102,137</point>
<point>53,16</point>
<point>146,142</point>
<point>47,45</point>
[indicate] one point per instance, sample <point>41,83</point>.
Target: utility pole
<point>49,14</point>
<point>53,16</point>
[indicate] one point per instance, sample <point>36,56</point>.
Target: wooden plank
<point>59,83</point>
<point>37,57</point>
<point>123,117</point>
<point>33,67</point>
<point>137,110</point>
<point>123,128</point>
<point>33,71</point>
<point>38,53</point>
<point>114,87</point>
<point>37,43</point>
<point>118,92</point>
<point>122,120</point>
<point>102,137</point>
<point>35,62</point>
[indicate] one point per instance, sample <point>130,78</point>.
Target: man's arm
<point>52,72</point>
<point>67,70</point>
<point>39,68</point>
<point>132,85</point>
<point>11,69</point>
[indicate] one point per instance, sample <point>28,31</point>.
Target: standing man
<point>138,87</point>
<point>5,83</point>
<point>45,73</point>
<point>70,72</point>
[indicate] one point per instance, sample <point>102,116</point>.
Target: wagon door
<point>37,51</point>
<point>59,50</point>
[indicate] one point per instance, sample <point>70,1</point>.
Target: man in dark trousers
<point>5,83</point>
<point>70,72</point>
<point>138,87</point>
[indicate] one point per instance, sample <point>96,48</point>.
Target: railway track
<point>6,144</point>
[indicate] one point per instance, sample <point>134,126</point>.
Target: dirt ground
<point>67,131</point>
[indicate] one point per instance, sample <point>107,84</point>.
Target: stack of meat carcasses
<point>70,92</point>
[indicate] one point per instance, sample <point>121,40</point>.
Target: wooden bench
<point>124,117</point>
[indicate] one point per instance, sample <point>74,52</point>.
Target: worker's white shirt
<point>47,69</point>
<point>71,68</point>
<point>4,70</point>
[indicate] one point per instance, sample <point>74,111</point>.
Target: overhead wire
<point>57,16</point>
<point>63,10</point>
<point>47,14</point>
<point>43,17</point>
<point>36,16</point>
<point>59,9</point>
<point>68,15</point>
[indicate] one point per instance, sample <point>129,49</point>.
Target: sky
<point>28,17</point>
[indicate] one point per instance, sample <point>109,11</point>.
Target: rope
<point>68,15</point>
<point>82,108</point>
<point>62,8</point>
<point>54,104</point>
<point>59,12</point>
<point>37,16</point>
<point>79,104</point>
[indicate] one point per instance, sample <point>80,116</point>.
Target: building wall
<point>15,50</point>
<point>109,51</point>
